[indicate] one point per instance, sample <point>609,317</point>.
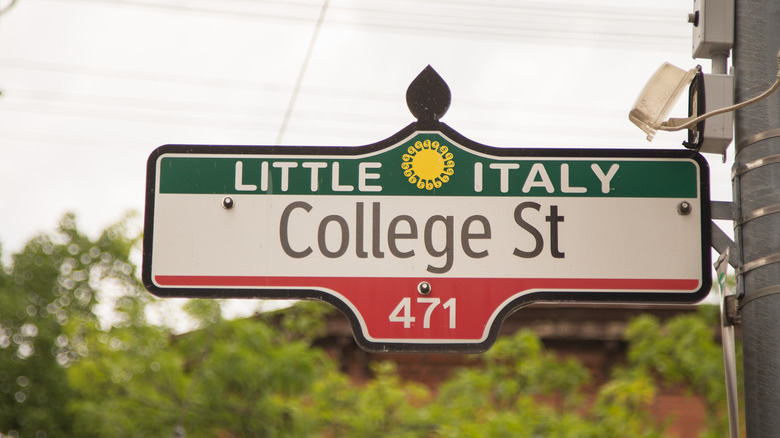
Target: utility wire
<point>629,15</point>
<point>191,80</point>
<point>301,74</point>
<point>200,112</point>
<point>463,19</point>
<point>544,24</point>
<point>7,7</point>
<point>138,75</point>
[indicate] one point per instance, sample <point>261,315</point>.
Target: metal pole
<point>757,194</point>
<point>729,351</point>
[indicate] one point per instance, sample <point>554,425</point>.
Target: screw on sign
<point>427,240</point>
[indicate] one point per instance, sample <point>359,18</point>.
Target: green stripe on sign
<point>428,165</point>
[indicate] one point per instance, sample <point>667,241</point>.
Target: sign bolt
<point>228,203</point>
<point>424,288</point>
<point>684,208</point>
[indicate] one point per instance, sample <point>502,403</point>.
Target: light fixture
<point>658,97</point>
<point>664,88</point>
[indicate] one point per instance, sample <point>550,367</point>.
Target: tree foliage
<point>47,319</point>
<point>66,372</point>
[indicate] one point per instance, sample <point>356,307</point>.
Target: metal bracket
<point>770,290</point>
<point>755,264</point>
<point>761,162</point>
<point>723,210</point>
<point>731,307</point>
<point>720,241</point>
<point>758,137</point>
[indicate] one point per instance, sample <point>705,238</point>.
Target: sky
<point>91,87</point>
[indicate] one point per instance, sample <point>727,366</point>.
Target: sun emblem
<point>428,164</point>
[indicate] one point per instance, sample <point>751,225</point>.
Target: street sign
<point>426,241</point>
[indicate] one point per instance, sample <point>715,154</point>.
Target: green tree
<point>231,378</point>
<point>621,407</point>
<point>385,406</point>
<point>520,390</point>
<point>684,351</point>
<point>47,297</point>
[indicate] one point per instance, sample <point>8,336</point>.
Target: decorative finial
<point>428,96</point>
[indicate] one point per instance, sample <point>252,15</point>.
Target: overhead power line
<point>549,23</point>
<point>6,8</point>
<point>334,123</point>
<point>302,73</point>
<point>464,19</point>
<point>139,75</point>
<point>260,86</point>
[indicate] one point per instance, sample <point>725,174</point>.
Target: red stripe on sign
<point>587,284</point>
<point>456,309</point>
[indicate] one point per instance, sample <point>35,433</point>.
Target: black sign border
<point>535,297</point>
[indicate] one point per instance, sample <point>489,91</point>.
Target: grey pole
<point>757,194</point>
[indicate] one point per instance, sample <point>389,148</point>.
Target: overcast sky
<point>91,87</point>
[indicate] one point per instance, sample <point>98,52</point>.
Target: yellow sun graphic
<point>428,164</point>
